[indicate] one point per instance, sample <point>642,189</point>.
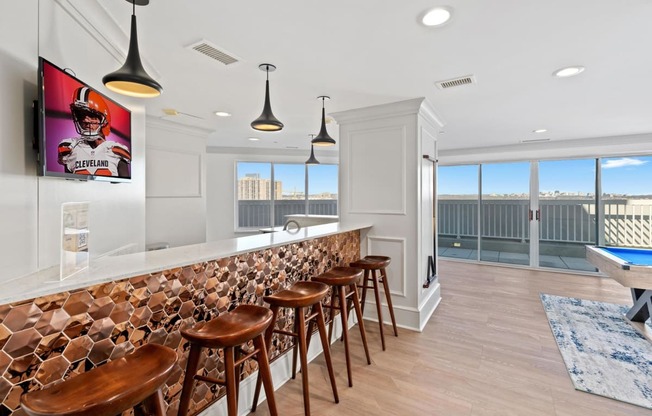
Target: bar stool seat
<point>300,296</point>
<point>372,262</point>
<point>340,278</point>
<point>372,265</point>
<point>109,389</point>
<point>228,331</point>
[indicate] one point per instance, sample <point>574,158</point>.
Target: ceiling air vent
<point>455,82</point>
<point>206,48</point>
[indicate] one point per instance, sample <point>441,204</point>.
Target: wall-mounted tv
<point>82,134</point>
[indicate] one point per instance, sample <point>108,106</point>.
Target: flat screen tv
<point>82,134</point>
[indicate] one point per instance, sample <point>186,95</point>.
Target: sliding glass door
<point>627,201</point>
<point>504,213</point>
<point>458,211</point>
<point>567,213</point>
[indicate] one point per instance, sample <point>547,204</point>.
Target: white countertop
<point>111,268</point>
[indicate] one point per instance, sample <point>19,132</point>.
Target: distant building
<point>253,187</point>
<point>323,195</point>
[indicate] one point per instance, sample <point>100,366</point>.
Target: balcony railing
<point>257,213</point>
<point>627,222</point>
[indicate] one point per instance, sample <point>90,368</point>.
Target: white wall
<point>176,184</point>
<point>30,205</point>
<point>220,182</point>
<point>577,148</point>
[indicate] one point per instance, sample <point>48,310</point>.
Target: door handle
<point>537,216</point>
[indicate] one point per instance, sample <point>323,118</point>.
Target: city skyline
<point>321,178</point>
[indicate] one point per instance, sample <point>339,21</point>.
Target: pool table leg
<point>640,312</point>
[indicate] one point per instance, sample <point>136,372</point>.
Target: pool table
<point>631,267</point>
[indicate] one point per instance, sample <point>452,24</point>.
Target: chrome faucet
<point>288,222</point>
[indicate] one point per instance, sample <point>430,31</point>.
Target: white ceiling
<point>368,52</point>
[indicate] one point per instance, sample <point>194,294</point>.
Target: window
<point>267,191</point>
<point>322,183</point>
<point>543,213</point>
<point>627,201</point>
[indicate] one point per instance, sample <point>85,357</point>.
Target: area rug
<point>603,353</point>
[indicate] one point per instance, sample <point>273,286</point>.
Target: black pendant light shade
<point>323,139</point>
<point>312,160</point>
<point>267,121</point>
<point>132,79</point>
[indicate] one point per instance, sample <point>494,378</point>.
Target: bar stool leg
<point>321,326</point>
<point>311,328</point>
<point>297,311</point>
<point>263,368</point>
<point>383,272</point>
<point>345,331</point>
<point>365,282</point>
<point>358,312</point>
<point>332,316</point>
<point>379,307</point>
<point>229,374</point>
<point>268,342</point>
<point>304,360</point>
<point>238,373</point>
<point>189,379</point>
<point>154,404</point>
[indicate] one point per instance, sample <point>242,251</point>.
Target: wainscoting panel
<point>377,178</point>
<point>395,248</point>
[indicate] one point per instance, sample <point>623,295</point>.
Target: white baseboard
<point>281,373</point>
<point>408,318</point>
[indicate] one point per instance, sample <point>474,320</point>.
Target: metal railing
<point>257,213</point>
<point>627,222</point>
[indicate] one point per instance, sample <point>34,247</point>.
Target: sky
<point>322,178</point>
<point>622,175</point>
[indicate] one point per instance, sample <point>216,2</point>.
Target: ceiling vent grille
<point>206,48</point>
<point>456,82</point>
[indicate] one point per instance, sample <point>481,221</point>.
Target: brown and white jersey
<point>80,158</point>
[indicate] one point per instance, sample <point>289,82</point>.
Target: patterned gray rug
<point>603,353</point>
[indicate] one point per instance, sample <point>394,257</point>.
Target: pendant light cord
<point>133,3</point>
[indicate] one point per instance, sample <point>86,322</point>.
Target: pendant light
<point>132,79</point>
<point>323,139</point>
<point>267,121</point>
<point>312,160</point>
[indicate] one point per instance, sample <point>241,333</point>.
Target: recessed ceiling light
<point>568,71</point>
<point>539,131</point>
<point>222,114</point>
<point>437,16</point>
<point>253,139</point>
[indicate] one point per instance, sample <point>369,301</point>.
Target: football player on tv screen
<point>91,153</point>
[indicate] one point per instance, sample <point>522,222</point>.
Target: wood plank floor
<point>487,350</point>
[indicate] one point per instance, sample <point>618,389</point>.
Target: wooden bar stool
<point>110,389</point>
<point>339,278</point>
<point>229,331</point>
<point>300,296</point>
<point>371,265</point>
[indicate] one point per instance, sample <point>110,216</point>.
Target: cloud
<point>619,163</point>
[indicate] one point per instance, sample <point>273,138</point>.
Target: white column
<point>385,180</point>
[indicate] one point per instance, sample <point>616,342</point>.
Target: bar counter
<point>51,330</point>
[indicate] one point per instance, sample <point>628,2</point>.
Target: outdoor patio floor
<point>556,262</point>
